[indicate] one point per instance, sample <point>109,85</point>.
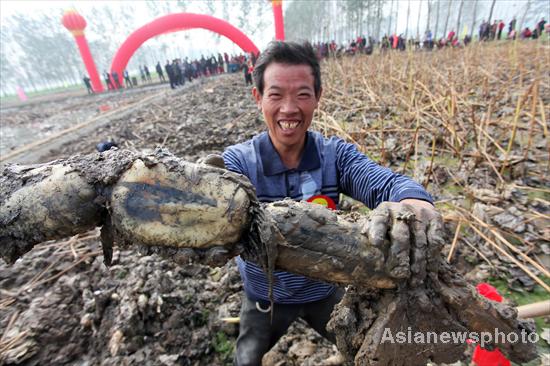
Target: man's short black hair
<point>291,53</point>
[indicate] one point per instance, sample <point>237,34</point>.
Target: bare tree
<point>493,6</point>
<point>473,19</point>
<point>418,20</point>
<point>390,18</point>
<point>396,17</point>
<point>378,18</point>
<point>436,21</point>
<point>449,6</point>
<point>408,14</point>
<point>429,15</point>
<point>459,17</point>
<point>527,6</point>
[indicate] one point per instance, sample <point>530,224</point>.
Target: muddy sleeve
<point>370,183</point>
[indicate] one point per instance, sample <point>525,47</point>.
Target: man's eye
<point>304,95</point>
<point>274,95</point>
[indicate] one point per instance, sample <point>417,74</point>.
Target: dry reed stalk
<point>521,101</point>
<point>543,270</point>
<point>455,240</point>
<point>511,258</point>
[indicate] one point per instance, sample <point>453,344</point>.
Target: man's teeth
<point>289,125</point>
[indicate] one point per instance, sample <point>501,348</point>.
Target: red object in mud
<point>174,23</point>
<point>483,357</point>
<point>323,201</point>
<point>76,23</point>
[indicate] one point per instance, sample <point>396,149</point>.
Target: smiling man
<point>290,161</point>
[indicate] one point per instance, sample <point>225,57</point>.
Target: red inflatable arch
<point>176,22</point>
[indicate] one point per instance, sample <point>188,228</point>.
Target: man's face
<point>287,103</point>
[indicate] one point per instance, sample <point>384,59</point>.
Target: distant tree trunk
<point>458,18</point>
<point>408,14</point>
<point>473,20</point>
<point>429,15</point>
<point>389,22</point>
<point>418,20</point>
<point>378,19</point>
<point>436,21</point>
<point>396,17</point>
<point>527,6</point>
<point>493,6</point>
<point>447,18</point>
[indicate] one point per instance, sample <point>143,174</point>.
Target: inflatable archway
<point>176,22</point>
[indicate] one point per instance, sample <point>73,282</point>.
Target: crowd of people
<point>178,71</point>
<point>487,32</point>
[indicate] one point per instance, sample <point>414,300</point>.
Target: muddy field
<point>448,126</point>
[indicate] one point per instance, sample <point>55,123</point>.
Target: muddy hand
<point>408,235</point>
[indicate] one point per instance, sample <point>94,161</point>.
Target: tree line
<point>344,20</point>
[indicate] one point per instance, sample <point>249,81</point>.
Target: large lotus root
<point>154,199</point>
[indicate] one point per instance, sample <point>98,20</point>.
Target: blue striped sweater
<point>329,166</point>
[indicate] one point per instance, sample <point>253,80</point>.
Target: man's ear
<point>257,97</point>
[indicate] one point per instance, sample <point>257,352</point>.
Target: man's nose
<point>289,105</point>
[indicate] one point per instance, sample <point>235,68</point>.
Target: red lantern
<point>76,23</point>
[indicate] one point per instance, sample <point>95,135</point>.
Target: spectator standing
<point>108,81</point>
<point>512,27</point>
<point>160,73</point>
<point>116,79</point>
<point>142,74</point>
<point>88,84</point>
<point>127,80</point>
<point>540,26</point>
<point>170,73</point>
<point>500,28</point>
<point>247,70</point>
<point>147,73</point>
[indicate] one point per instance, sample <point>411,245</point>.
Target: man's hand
<point>410,235</point>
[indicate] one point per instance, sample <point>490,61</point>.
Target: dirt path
<point>36,150</point>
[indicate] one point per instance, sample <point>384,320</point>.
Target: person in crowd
<point>500,28</point>
<point>127,80</point>
<point>512,28</point>
<point>526,33</point>
<point>147,73</point>
<point>88,84</point>
<point>116,80</point>
<point>540,26</point>
<point>108,82</point>
<point>170,73</point>
<point>160,74</point>
<point>248,68</point>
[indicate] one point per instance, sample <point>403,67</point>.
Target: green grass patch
<point>224,347</point>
